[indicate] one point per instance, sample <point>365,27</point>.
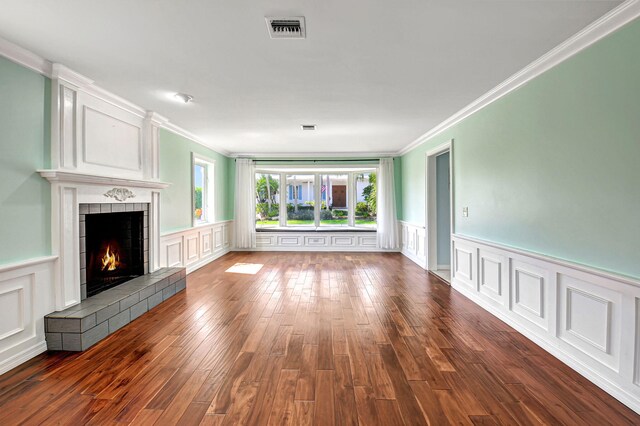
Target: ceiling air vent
<point>308,127</point>
<point>286,27</point>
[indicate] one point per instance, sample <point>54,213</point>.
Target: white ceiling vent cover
<point>286,26</point>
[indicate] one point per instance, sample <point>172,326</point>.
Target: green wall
<point>175,168</point>
<point>553,167</point>
<point>25,198</point>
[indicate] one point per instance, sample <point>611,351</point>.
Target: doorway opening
<point>439,210</point>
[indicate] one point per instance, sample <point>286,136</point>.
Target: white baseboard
<point>421,262</point>
<point>587,318</point>
<point>205,261</point>
<point>23,356</point>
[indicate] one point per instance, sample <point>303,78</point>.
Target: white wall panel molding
<point>589,319</point>
<point>26,296</point>
<point>195,247</point>
<point>317,241</point>
<point>414,242</point>
<point>529,289</point>
<point>493,276</point>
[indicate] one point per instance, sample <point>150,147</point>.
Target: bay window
<point>316,198</point>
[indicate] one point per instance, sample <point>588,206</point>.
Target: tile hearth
<point>81,326</point>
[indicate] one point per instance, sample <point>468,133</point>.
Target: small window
<point>203,175</point>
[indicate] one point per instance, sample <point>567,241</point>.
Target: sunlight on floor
<point>245,268</point>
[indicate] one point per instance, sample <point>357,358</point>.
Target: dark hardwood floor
<point>312,338</point>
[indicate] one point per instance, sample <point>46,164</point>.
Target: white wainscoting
<point>317,241</point>
<point>195,247</point>
<point>26,296</point>
<point>414,242</point>
<point>587,318</point>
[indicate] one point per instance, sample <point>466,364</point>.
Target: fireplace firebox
<point>114,249</point>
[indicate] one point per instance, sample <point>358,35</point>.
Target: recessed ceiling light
<point>183,97</point>
<point>308,126</point>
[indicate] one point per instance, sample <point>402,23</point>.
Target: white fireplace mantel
<point>92,179</point>
<point>103,150</point>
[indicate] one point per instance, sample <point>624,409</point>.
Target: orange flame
<point>110,260</point>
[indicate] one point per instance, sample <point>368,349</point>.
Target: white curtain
<point>245,225</point>
<point>388,237</point>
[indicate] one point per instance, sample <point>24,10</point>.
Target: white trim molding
<point>195,247</point>
<point>608,23</point>
<point>26,296</point>
<point>327,241</point>
<point>413,242</point>
<point>75,81</point>
<point>585,317</point>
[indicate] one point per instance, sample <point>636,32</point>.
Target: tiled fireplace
<point>114,245</point>
<point>105,198</point>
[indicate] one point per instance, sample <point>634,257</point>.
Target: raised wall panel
<point>68,145</point>
<point>111,142</point>
<point>191,243</point>
<point>346,240</point>
<point>174,252</point>
<point>290,240</point>
<point>589,319</point>
<point>528,293</point>
<point>413,243</point>
<point>26,296</point>
<point>206,240</point>
<point>490,275</point>
<point>264,240</point>
<point>368,241</point>
<point>12,307</point>
<point>463,258</point>
<point>193,248</point>
<point>218,238</point>
<point>316,241</point>
<point>226,241</point>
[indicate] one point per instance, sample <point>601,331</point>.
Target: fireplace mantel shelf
<point>75,177</point>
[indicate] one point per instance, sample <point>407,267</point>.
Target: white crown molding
<point>24,57</point>
<point>313,155</point>
<point>608,23</point>
<point>74,178</point>
<point>60,72</point>
<point>36,63</point>
<point>156,118</point>
<point>187,134</point>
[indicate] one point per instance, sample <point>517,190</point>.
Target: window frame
<point>208,191</point>
<point>317,171</point>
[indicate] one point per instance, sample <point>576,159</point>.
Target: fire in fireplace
<point>115,251</point>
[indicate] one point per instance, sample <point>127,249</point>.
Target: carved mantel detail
<point>120,194</point>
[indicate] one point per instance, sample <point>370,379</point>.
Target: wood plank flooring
<point>312,338</point>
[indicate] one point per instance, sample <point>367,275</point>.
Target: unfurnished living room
<point>318,212</point>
